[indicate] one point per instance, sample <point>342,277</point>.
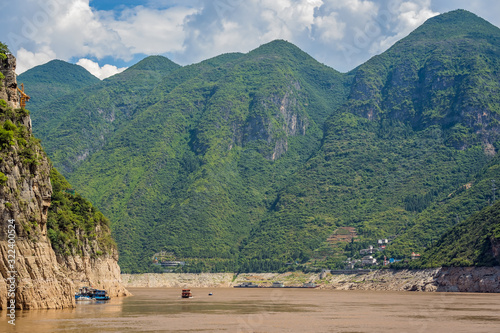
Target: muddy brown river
<point>270,310</point>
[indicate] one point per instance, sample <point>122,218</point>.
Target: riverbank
<point>451,279</point>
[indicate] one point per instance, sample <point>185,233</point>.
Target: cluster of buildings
<point>368,260</point>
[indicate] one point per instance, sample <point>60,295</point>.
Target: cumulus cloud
<point>404,17</point>
<point>150,31</point>
<point>27,59</point>
<point>98,71</point>
<point>340,33</point>
<point>67,29</point>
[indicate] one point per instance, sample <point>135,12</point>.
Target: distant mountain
<point>251,161</point>
<point>53,80</point>
<point>97,111</point>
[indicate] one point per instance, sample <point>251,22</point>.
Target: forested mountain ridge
<point>414,129</point>
<point>473,242</point>
<point>218,147</point>
<point>250,161</point>
<point>53,80</point>
<point>75,125</point>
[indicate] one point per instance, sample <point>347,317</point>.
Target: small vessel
<point>101,295</point>
<point>186,293</point>
<point>278,284</point>
<point>91,294</point>
<point>309,285</point>
<point>247,285</point>
<point>210,294</point>
<point>84,294</point>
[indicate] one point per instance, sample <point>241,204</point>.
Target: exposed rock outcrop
<point>469,279</point>
<point>8,90</point>
<point>100,272</point>
<point>42,280</point>
<point>277,118</point>
<point>174,280</point>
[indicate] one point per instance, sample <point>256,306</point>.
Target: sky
<point>107,36</point>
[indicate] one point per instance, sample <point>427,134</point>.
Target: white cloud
<point>340,33</point>
<point>67,29</point>
<point>407,16</point>
<point>27,59</point>
<point>98,71</point>
<point>149,31</point>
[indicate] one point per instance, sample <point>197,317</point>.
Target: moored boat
<point>247,285</point>
<point>89,294</point>
<point>101,295</point>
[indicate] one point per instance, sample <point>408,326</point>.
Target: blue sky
<point>107,36</point>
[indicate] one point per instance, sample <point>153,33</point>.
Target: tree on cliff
<point>4,50</point>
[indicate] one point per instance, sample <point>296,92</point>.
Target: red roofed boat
<point>186,293</point>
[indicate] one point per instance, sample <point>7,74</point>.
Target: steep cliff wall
<point>28,263</point>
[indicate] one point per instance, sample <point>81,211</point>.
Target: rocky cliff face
<point>8,88</point>
<point>285,119</point>
<point>42,280</point>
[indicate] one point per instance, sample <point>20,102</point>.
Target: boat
<point>84,294</point>
<point>101,295</point>
<point>186,293</point>
<point>90,294</point>
<point>247,285</point>
<point>278,284</point>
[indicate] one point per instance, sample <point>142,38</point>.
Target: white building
<point>368,260</point>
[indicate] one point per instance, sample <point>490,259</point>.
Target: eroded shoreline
<point>447,279</point>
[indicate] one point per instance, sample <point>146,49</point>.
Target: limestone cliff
<point>44,279</point>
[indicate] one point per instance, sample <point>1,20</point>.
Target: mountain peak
<point>66,73</point>
<point>453,24</point>
<point>155,63</point>
<point>280,47</point>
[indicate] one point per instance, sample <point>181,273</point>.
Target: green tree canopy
<point>4,50</point>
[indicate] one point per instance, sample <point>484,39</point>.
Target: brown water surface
<point>270,310</point>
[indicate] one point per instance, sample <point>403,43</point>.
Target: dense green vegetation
<point>250,161</point>
<point>4,50</point>
<point>406,138</point>
<point>74,226</point>
<point>51,81</point>
<point>101,109</point>
<point>13,133</point>
<point>469,243</point>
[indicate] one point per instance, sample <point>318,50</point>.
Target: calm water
<point>271,310</point>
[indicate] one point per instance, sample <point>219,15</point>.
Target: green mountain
<point>415,128</point>
<point>97,111</point>
<point>53,80</point>
<point>196,171</point>
<point>473,242</point>
<point>249,161</point>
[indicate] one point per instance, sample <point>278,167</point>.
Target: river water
<point>270,310</point>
